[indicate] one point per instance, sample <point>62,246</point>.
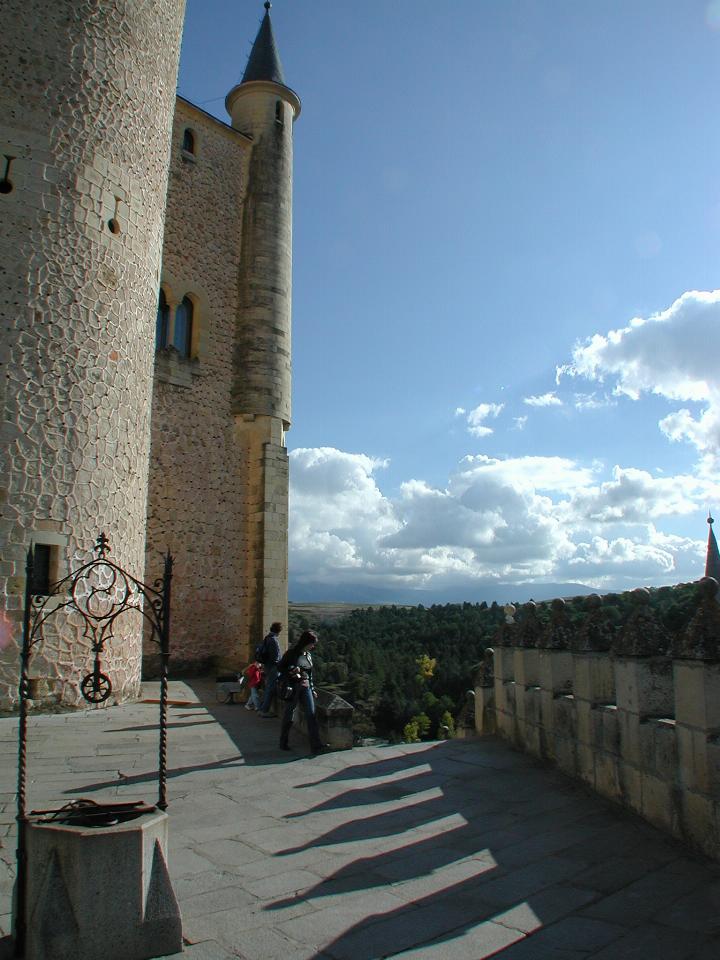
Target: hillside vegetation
<point>407,670</point>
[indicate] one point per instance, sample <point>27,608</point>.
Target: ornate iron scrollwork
<point>94,597</point>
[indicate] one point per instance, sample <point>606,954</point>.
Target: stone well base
<point>101,893</point>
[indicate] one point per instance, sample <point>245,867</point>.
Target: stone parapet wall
<point>631,710</point>
<point>86,101</point>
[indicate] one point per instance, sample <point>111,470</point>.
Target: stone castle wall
<point>197,494</point>
<point>634,712</point>
<point>86,98</point>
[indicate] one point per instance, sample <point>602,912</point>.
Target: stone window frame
<point>189,155</point>
<point>57,544</point>
<point>171,366</point>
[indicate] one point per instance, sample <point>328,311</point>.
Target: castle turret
<point>265,108</point>
<point>86,99</point>
<point>712,558</point>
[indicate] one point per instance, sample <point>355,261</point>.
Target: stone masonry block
<point>594,678</point>
<point>698,761</point>
<point>526,667</point>
<point>631,785</point>
<point>629,731</point>
<point>658,749</point>
<point>607,776</point>
<point>605,729</point>
<point>565,717</point>
<point>586,763</point>
<point>700,822</point>
<point>565,751</point>
<point>658,803</point>
<point>697,693</point>
<point>113,880</point>
<point>504,663</point>
<point>555,668</point>
<point>584,721</point>
<point>645,686</point>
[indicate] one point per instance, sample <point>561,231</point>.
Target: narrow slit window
<point>162,323</point>
<point>279,113</point>
<point>42,556</point>
<point>188,143</point>
<point>183,327</point>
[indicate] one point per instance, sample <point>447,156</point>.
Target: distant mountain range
<point>367,596</point>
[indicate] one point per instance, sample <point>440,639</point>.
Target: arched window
<point>279,113</point>
<point>188,143</point>
<point>183,327</point>
<point>163,321</point>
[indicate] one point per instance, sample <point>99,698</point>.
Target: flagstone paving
<point>459,849</point>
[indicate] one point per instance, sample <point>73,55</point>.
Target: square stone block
<point>504,663</point>
<point>658,803</point>
<point>630,785</point>
<point>586,763</point>
<point>629,730</point>
<point>698,761</point>
<point>565,749</point>
<point>659,750</point>
<point>547,710</point>
<point>607,775</point>
<point>555,669</point>
<point>565,717</point>
<point>594,677</point>
<point>533,706</point>
<point>700,822</point>
<point>697,693</point>
<point>645,686</point>
<point>485,720</point>
<point>583,721</point>
<point>100,893</point>
<point>526,667</point>
<point>605,729</point>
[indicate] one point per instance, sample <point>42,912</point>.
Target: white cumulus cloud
<point>671,354</point>
<point>544,400</point>
<point>476,418</point>
<point>513,519</point>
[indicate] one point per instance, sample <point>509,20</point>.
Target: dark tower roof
<point>264,60</point>
<point>712,561</point>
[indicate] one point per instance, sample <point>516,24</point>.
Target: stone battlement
<point>632,709</point>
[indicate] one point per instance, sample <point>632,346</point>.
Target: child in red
<point>253,673</point>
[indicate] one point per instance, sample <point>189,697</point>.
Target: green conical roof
<point>264,60</point>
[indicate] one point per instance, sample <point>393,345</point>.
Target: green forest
<point>407,670</point>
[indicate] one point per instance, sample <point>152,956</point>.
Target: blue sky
<point>484,191</point>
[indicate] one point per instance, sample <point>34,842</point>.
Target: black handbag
<point>286,688</point>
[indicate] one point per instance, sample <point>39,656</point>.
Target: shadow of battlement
<point>458,849</point>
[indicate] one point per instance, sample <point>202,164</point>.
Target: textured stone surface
<point>86,95</point>
<point>219,467</point>
<point>451,849</point>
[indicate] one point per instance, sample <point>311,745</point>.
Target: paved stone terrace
<point>448,850</point>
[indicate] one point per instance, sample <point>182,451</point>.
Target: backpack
<point>261,651</point>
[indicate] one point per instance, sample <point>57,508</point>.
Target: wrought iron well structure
<point>96,594</point>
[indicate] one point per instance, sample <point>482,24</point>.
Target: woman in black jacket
<point>296,668</point>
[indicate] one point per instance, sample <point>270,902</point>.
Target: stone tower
<point>712,556</point>
<point>87,92</point>
<point>264,108</point>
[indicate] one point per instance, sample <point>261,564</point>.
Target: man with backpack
<point>268,654</point>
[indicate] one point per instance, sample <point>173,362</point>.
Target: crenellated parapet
<point>630,705</point>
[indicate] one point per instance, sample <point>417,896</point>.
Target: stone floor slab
<point>460,849</point>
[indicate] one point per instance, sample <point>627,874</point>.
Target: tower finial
<point>267,4</point>
<point>710,518</point>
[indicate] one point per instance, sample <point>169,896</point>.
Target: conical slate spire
<point>264,61</point>
<point>712,561</point>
